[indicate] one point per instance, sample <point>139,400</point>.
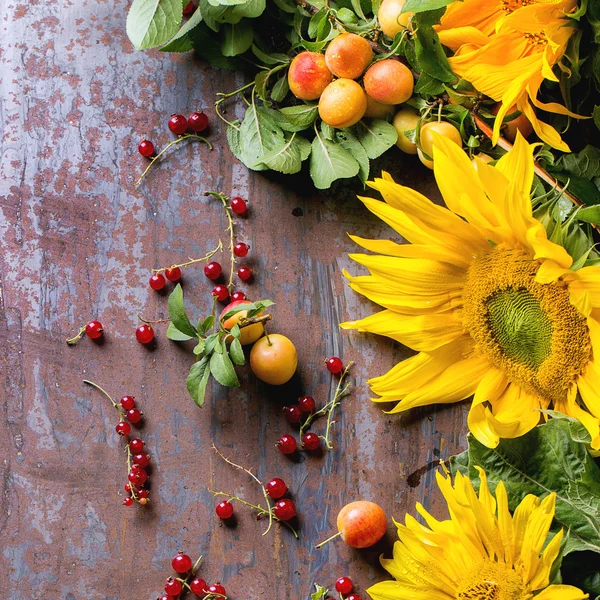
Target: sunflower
<point>481,553</point>
<point>495,309</point>
<point>506,49</point>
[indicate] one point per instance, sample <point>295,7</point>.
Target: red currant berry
<point>237,296</point>
<point>276,488</point>
<point>198,122</point>
<point>157,281</point>
<point>141,460</point>
<point>189,8</point>
<point>173,274</point>
<point>311,441</point>
<point>146,148</point>
<point>137,476</point>
<point>173,587</point>
<point>241,249</point>
<point>181,563</point>
<point>144,333</point>
<point>134,415</point>
<point>128,501</point>
<point>238,205</point>
<point>136,445</point>
<point>217,589</point>
<point>213,270</point>
<point>285,509</point>
<point>123,428</point>
<point>178,124</point>
<point>165,597</point>
<point>344,585</point>
<point>127,488</point>
<point>292,414</point>
<point>224,510</point>
<point>143,493</point>
<point>334,365</point>
<point>287,444</point>
<point>354,597</point>
<point>245,273</point>
<point>307,404</point>
<point>198,586</point>
<point>220,292</point>
<point>94,330</point>
<point>127,402</point>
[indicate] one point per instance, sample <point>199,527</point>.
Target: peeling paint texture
<point>78,241</point>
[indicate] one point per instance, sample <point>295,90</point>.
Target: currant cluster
<point>197,122</point>
<point>344,587</point>
<point>137,458</point>
<point>284,509</point>
<point>93,330</point>
<point>186,580</point>
<point>303,413</point>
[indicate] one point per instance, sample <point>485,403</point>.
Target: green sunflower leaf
<point>551,458</point>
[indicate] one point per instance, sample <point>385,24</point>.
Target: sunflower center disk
<point>528,330</point>
<point>492,581</point>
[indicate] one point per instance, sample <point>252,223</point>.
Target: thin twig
<point>249,472</point>
<point>223,198</point>
<point>77,337</point>
<point>254,320</point>
<point>192,261</point>
<point>182,138</point>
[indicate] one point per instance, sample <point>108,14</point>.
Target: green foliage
<point>320,593</point>
<point>551,458</point>
<point>216,352</point>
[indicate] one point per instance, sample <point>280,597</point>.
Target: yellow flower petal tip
<point>481,552</point>
<point>488,302</point>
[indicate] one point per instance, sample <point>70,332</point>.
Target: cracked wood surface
<point>78,240</point>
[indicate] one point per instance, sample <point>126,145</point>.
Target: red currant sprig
<point>186,579</point>
<point>304,412</point>
<point>93,330</point>
<point>283,511</point>
<point>173,273</point>
<point>137,459</point>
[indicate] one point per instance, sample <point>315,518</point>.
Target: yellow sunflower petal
<point>561,592</point>
<point>589,388</point>
<point>422,333</point>
<point>543,248</point>
<point>457,37</point>
<point>545,132</point>
<point>457,382</point>
<point>541,578</point>
<point>514,412</point>
<point>505,524</point>
<point>393,590</point>
<point>571,408</point>
<point>589,277</point>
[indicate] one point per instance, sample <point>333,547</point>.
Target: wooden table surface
<point>78,241</point>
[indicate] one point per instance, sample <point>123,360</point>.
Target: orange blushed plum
<point>248,335</point>
<point>343,103</point>
<point>308,75</point>
<point>361,524</point>
<point>273,359</point>
<point>510,128</point>
<point>389,82</point>
<point>348,55</point>
<point>391,18</point>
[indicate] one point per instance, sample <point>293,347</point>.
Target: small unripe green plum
<point>391,18</point>
<point>308,75</point>
<point>405,120</point>
<point>348,55</point>
<point>389,81</point>
<point>343,103</point>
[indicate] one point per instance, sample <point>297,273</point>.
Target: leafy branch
<point>218,349</point>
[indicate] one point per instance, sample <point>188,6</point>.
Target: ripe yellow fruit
<point>442,128</point>
<point>378,110</point>
<point>343,103</point>
<point>348,55</point>
<point>274,359</point>
<point>391,18</point>
<point>405,120</point>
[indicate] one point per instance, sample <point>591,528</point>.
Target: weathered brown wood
<point>79,240</point>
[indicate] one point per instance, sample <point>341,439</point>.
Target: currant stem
<point>77,337</point>
<point>132,487</point>
<point>95,385</point>
<point>329,539</point>
<point>223,198</point>
<point>148,322</point>
<point>339,394</point>
<point>260,483</point>
<point>185,136</point>
<point>224,96</point>
<point>192,261</point>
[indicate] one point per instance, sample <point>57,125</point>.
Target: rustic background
<point>78,241</point>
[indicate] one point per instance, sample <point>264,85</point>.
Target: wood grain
<point>79,241</point>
